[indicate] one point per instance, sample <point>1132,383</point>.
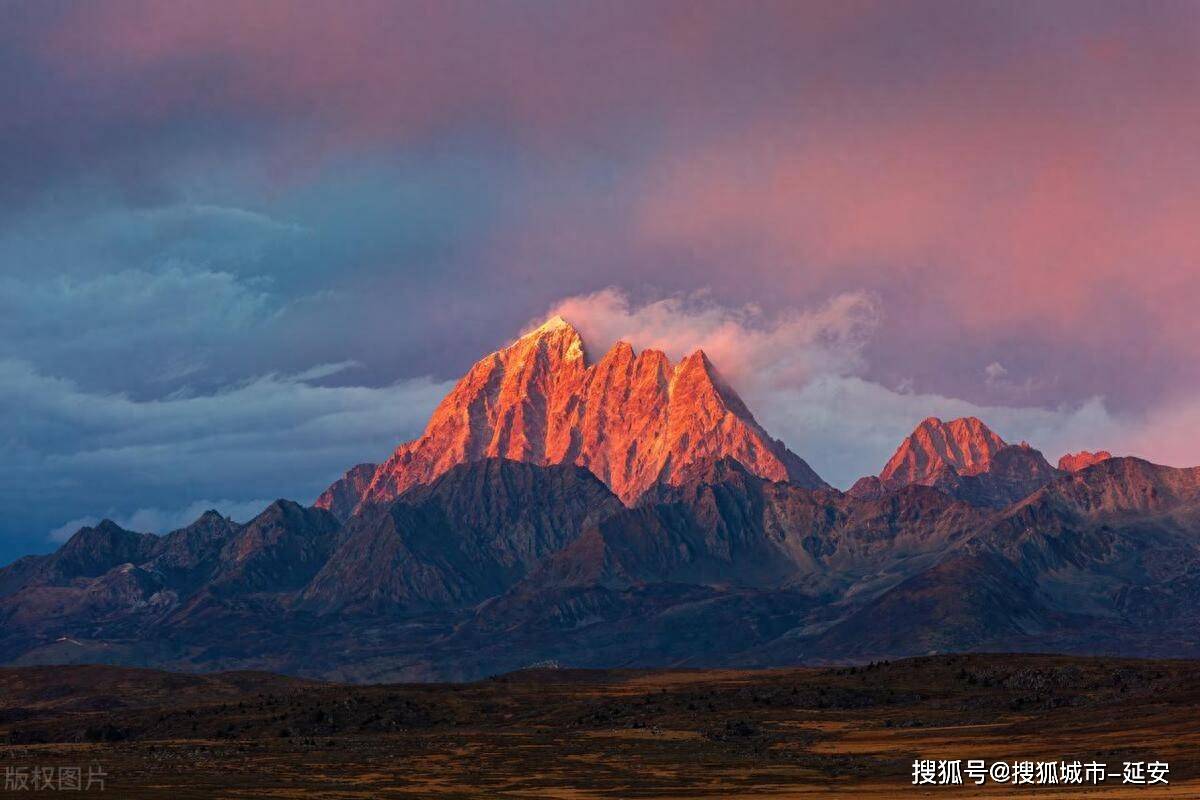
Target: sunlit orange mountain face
<point>632,419</point>
<point>627,509</point>
<point>1073,462</point>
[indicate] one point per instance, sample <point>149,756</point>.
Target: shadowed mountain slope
<point>1106,560</point>
<point>344,494</point>
<point>471,534</point>
<point>499,563</point>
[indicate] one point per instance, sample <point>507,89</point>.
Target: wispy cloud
<point>748,345</point>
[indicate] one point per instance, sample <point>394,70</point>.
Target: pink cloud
<point>1047,205</point>
<point>378,70</point>
<point>998,218</point>
<point>753,350</point>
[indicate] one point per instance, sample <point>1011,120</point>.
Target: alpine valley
<point>629,511</point>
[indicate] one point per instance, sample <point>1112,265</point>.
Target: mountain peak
<point>696,364</point>
<point>965,445</point>
<point>632,419</point>
<point>343,494</point>
<point>1074,462</point>
<point>95,550</point>
<point>554,323</point>
<point>620,352</point>
<point>558,335</point>
<point>965,459</point>
<point>960,427</point>
<point>552,326</point>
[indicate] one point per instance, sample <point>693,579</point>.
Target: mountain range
<point>630,511</point>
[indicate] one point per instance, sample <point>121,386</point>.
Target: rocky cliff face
<point>343,495</point>
<point>1074,462</point>
<point>632,419</point>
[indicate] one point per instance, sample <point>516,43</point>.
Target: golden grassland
<point>800,733</point>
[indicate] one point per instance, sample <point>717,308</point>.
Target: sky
<point>246,245</point>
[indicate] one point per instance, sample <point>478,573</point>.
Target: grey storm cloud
<point>73,454</point>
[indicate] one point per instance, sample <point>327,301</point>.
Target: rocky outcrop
<point>1074,462</point>
<point>343,495</point>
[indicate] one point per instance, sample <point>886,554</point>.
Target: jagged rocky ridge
<point>633,419</point>
<point>965,459</point>
<point>518,549</point>
<point>1074,462</point>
